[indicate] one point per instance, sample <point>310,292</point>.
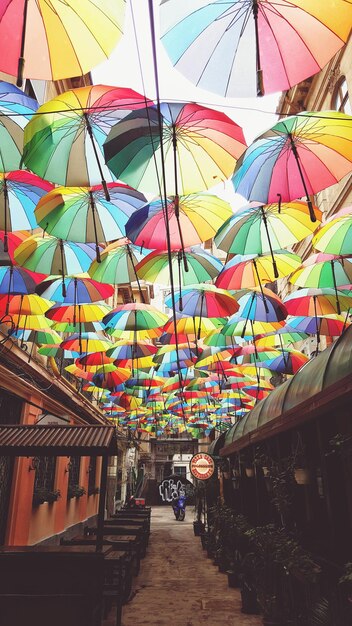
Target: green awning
<point>332,365</point>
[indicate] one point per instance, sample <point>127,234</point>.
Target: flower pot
<point>204,540</point>
<point>198,527</point>
<point>249,472</point>
<point>210,553</point>
<point>302,476</point>
<point>222,567</point>
<point>233,580</point>
<point>271,621</point>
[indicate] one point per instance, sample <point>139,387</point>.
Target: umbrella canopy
<point>109,380</point>
<point>204,301</point>
<point>189,327</point>
<point>199,267</point>
<point>77,313</point>
<point>200,148</point>
<point>248,48</point>
<point>79,290</point>
<point>29,322</point>
<point>286,363</point>
<point>64,140</point>
<point>20,191</point>
<point>84,214</point>
<point>323,270</point>
<point>54,256</point>
<point>192,219</point>
<point>117,263</point>
<point>134,317</point>
<point>253,270</point>
<point>330,326</point>
<point>16,109</point>
<point>47,336</point>
<point>260,304</point>
<point>282,337</point>
<point>317,302</point>
<point>131,350</point>
<point>85,342</point>
<point>259,229</point>
<point>299,156</point>
<point>93,360</point>
<point>239,327</point>
<point>335,237</point>
<point>35,35</point>
<point>23,304</point>
<point>16,280</point>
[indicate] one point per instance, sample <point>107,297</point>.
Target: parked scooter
<point>179,507</point>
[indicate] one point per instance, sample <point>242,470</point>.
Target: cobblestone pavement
<point>178,585</point>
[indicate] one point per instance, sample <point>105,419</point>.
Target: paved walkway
<point>178,585</point>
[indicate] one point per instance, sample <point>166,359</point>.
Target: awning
<point>323,380</point>
<point>217,444</point>
<point>58,440</point>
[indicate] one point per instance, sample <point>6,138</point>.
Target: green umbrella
<point>323,270</point>
<point>117,264</point>
<point>191,267</point>
<point>135,316</point>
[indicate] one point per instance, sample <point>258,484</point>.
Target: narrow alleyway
<point>178,585</point>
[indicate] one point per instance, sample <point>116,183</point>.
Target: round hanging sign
<point>202,466</point>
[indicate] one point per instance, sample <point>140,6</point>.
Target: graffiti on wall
<point>170,490</point>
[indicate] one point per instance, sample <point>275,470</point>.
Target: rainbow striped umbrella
<point>84,214</point>
<point>77,313</point>
<point>246,272</point>
<point>53,40</point>
<point>335,237</point>
<point>199,146</point>
<point>79,289</point>
<point>236,48</point>
<point>190,267</point>
<point>299,156</point>
<point>134,317</point>
<point>204,300</point>
<point>64,141</point>
<point>317,302</point>
<point>16,108</point>
<point>192,219</point>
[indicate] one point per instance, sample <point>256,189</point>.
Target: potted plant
<point>94,491</point>
<point>75,491</point>
<point>301,471</point>
<point>42,494</point>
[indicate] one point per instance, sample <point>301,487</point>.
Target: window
<point>92,475</point>
<point>73,476</point>
<point>45,473</point>
<point>340,100</point>
<point>180,470</point>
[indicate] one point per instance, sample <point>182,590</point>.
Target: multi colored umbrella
<point>118,264</point>
<point>199,267</point>
<point>54,256</point>
<point>109,380</point>
<point>299,156</point>
<point>238,327</point>
<point>237,48</point>
<point>189,327</point>
<point>34,37</point>
<point>16,109</point>
<point>192,219</point>
<point>79,289</point>
<point>331,326</point>
<point>134,317</point>
<point>23,304</point>
<point>64,140</point>
<point>20,192</point>
<point>317,302</point>
<point>16,280</point>
<point>84,214</point>
<point>253,270</point>
<point>260,304</point>
<point>204,300</point>
<point>286,363</point>
<point>323,270</point>
<point>335,237</point>
<point>131,350</point>
<point>77,313</point>
<point>260,229</point>
<point>86,342</point>
<point>199,148</point>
